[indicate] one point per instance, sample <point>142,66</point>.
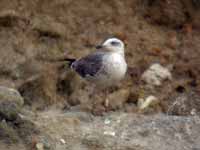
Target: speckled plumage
<point>105,67</point>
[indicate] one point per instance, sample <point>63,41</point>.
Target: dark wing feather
<point>88,65</point>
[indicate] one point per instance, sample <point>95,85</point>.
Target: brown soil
<point>32,32</point>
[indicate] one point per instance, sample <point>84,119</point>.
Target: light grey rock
<point>156,74</point>
<point>10,95</point>
<point>40,146</point>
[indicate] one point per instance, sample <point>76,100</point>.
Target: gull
<point>105,67</point>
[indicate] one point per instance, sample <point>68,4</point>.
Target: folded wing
<point>89,65</point>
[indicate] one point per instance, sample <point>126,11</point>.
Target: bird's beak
<point>99,46</point>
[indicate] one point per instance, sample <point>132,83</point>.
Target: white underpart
<point>116,66</point>
<point>113,69</point>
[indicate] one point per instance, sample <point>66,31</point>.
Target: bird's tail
<point>62,59</point>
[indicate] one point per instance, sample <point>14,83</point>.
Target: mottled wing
<point>89,65</point>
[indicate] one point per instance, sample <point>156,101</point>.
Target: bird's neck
<point>121,53</point>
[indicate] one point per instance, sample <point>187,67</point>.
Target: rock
<point>7,133</point>
<point>9,111</point>
<point>131,131</point>
<point>156,74</point>
<point>11,95</point>
<point>47,143</point>
<point>150,101</point>
<point>62,141</point>
<point>17,130</point>
<point>184,104</point>
<point>109,133</point>
<point>39,146</point>
<point>10,103</point>
<point>13,127</point>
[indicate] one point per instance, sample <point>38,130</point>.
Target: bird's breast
<point>115,66</point>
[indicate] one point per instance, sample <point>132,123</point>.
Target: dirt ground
<point>34,32</point>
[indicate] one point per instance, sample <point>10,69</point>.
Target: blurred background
<point>162,51</point>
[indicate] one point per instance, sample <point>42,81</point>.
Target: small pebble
<point>111,133</point>
<point>62,141</point>
<point>39,146</point>
<point>193,112</point>
<point>149,101</point>
<point>107,121</point>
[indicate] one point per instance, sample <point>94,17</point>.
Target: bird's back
<point>89,65</point>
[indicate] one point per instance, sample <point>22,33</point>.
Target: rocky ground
<point>44,105</point>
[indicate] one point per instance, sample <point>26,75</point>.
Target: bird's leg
<point>92,90</point>
<point>106,101</point>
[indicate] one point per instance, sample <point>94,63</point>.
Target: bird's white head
<point>113,45</point>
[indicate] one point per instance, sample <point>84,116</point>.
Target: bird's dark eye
<point>114,43</point>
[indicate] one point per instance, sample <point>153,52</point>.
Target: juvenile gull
<point>105,67</point>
